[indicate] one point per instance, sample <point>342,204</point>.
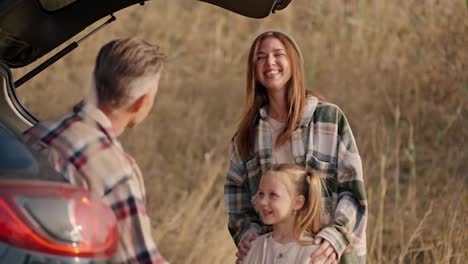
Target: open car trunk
<point>25,23</point>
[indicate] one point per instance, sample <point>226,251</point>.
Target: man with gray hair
<point>83,145</point>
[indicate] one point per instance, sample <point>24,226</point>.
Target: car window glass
<point>14,156</point>
<point>54,5</point>
<point>17,161</point>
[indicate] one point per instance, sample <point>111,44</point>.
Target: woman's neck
<point>278,107</point>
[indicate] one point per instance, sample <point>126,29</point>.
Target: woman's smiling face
<point>272,64</point>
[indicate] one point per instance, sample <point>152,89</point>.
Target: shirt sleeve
<point>242,216</point>
<point>136,243</point>
<point>349,219</point>
<point>115,178</point>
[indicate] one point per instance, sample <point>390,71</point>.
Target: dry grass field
<point>398,69</point>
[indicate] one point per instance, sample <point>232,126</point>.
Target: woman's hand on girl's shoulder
<point>325,254</point>
<point>244,246</point>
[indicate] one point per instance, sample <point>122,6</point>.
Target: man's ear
<point>138,104</point>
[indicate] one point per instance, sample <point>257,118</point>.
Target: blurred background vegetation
<point>398,69</point>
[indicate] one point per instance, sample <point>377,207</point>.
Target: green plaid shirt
<point>323,142</point>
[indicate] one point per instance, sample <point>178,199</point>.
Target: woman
<point>283,123</point>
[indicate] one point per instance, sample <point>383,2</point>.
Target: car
<point>43,218</point>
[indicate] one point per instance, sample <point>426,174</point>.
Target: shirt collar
<point>311,104</point>
<point>90,113</point>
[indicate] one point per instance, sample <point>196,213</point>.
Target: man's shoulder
<point>69,129</point>
<point>75,141</point>
<point>50,129</point>
<point>95,156</point>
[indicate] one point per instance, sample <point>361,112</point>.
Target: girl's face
<point>274,201</point>
<point>272,65</point>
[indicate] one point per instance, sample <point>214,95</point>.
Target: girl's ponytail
<point>310,218</point>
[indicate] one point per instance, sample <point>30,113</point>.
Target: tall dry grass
<point>399,69</point>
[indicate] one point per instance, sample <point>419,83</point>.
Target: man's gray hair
<point>125,70</point>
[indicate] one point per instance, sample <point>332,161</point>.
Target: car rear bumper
<point>9,254</point>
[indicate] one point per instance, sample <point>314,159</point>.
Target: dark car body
<point>43,219</point>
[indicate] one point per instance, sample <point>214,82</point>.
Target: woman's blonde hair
<point>311,217</point>
<point>256,95</point>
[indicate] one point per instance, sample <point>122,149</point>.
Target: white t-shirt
<point>283,153</point>
<point>265,250</point>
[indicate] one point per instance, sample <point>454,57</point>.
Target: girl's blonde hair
<point>310,218</point>
<point>256,95</point>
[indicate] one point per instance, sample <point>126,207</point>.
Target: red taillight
<point>56,219</point>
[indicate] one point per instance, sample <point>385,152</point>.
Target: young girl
<point>289,199</point>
